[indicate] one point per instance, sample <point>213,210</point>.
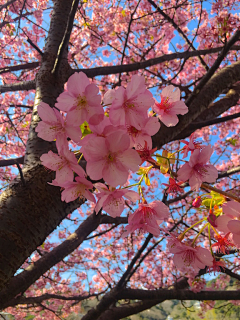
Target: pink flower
<point>64,165</point>
<point>138,137</point>
<point>147,218</point>
<point>196,170</point>
<point>81,101</point>
<point>188,256</point>
<point>223,244</point>
<point>112,201</point>
<point>53,126</point>
<point>110,158</point>
<point>230,221</point>
<point>217,266</point>
<point>173,186</point>
<point>191,145</point>
<point>129,106</point>
<point>170,106</point>
<point>145,153</point>
<point>78,189</point>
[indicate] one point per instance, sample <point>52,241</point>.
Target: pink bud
<point>197,202</point>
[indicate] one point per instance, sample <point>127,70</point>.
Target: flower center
<point>81,102</point>
<point>201,169</point>
<point>111,157</point>
<point>164,105</point>
<point>127,105</point>
<point>133,131</point>
<point>188,257</point>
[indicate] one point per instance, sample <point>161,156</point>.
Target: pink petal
<point>100,202</point>
<point>169,120</point>
<point>65,101</point>
<point>232,209</point>
<point>205,154</point>
<point>95,169</point>
<point>136,86</point>
<point>114,174</point>
<point>234,226</point>
<point>195,182</point>
<point>77,83</point>
<point>74,133</point>
<point>152,126</point>
<point>172,93</point>
<point>46,113</point>
<point>211,174</point>
<point>185,172</point>
<point>194,159</point>
<point>109,96</point>
<point>179,107</point>
<point>96,149</point>
<point>222,222</point>
<point>132,195</point>
<point>45,132</point>
<point>130,159</point>
<point>118,141</point>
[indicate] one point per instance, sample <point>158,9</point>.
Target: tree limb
<point>102,71</point>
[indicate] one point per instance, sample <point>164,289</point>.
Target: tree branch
<point>11,162</point>
<point>102,71</point>
<point>19,86</point>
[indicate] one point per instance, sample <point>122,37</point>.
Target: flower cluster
<point>117,142</point>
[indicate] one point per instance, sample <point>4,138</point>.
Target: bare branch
<point>26,66</point>
<point>102,71</point>
<point>11,162</point>
<point>19,86</point>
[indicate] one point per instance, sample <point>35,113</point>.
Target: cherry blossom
<point>191,145</point>
<point>81,101</point>
<point>147,218</point>
<point>173,186</point>
<point>170,106</point>
<point>189,256</point>
<point>110,158</point>
<point>230,220</point>
<point>196,170</point>
<point>64,164</point>
<point>77,189</point>
<point>112,201</point>
<point>223,244</point>
<point>129,106</point>
<point>138,137</point>
<point>53,126</point>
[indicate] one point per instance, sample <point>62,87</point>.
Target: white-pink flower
<point>187,256</point>
<point>53,126</point>
<point>64,164</point>
<point>147,218</point>
<point>170,106</point>
<point>196,170</point>
<point>77,189</point>
<point>110,158</point>
<point>81,101</point>
<point>129,106</point>
<point>112,201</point>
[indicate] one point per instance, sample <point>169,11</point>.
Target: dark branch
<point>19,86</point>
<point>11,162</point>
<point>25,66</point>
<point>102,71</point>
